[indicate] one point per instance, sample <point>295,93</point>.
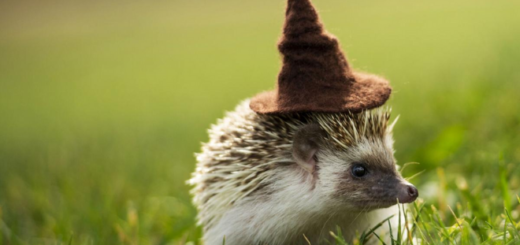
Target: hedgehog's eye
<point>359,170</point>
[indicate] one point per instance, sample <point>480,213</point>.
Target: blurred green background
<point>104,103</point>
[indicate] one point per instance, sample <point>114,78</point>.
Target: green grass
<point>102,105</point>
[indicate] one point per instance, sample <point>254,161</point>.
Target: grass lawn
<point>104,103</point>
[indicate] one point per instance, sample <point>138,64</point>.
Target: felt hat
<point>315,75</point>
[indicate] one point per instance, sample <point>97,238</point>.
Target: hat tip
<point>316,76</point>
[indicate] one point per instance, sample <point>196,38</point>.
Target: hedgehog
<point>286,179</point>
<point>290,165</point>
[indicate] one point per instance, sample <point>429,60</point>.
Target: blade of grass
<point>504,187</point>
<point>399,227</point>
<point>409,236</point>
<point>364,236</point>
<point>408,164</point>
<point>306,239</point>
<point>391,232</point>
<point>513,223</point>
<point>415,175</point>
<point>339,238</point>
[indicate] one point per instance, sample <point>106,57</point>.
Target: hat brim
<point>367,92</point>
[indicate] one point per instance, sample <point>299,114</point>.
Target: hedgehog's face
<point>361,176</point>
<point>368,178</point>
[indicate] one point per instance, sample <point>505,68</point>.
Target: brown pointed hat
<point>315,75</point>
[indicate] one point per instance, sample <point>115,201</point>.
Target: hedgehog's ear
<point>306,144</point>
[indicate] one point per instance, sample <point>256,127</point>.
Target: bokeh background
<point>104,103</point>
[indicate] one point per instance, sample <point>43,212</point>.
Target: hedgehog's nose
<point>413,192</point>
<point>408,194</point>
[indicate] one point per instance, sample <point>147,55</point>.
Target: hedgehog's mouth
<point>402,193</point>
<point>370,205</point>
<point>384,204</point>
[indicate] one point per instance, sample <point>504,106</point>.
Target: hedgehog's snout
<point>407,193</point>
<point>400,189</point>
<point>390,188</point>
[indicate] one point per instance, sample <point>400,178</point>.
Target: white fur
<point>300,205</point>
<point>295,209</point>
